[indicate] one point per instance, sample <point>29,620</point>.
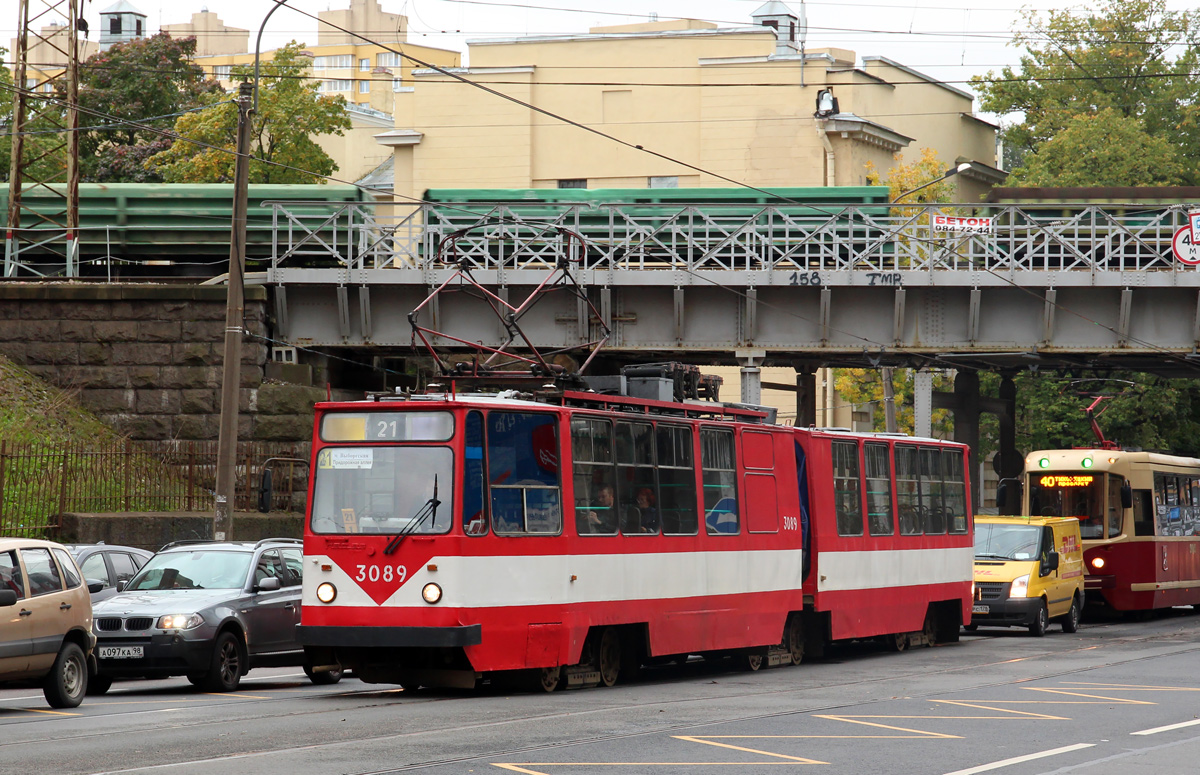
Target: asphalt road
<point>1113,699</point>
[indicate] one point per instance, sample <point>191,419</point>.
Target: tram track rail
<point>58,739</point>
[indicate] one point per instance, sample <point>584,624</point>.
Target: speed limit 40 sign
<point>1186,251</point>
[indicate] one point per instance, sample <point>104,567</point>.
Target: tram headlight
<point>431,593</point>
<point>1020,587</point>
<point>1044,462</point>
<point>326,592</point>
<point>1097,562</point>
<point>1086,462</point>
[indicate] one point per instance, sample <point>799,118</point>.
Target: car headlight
<point>326,592</point>
<point>431,593</point>
<point>179,621</point>
<point>1020,587</point>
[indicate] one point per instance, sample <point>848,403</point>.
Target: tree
<point>144,82</point>
<point>865,386</point>
<point>905,177</point>
<point>1101,149</point>
<point>1117,58</point>
<point>290,114</point>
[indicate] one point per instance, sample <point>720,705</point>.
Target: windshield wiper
<point>429,509</point>
<point>993,556</point>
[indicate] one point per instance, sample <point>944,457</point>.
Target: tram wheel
<point>897,641</point>
<point>752,662</point>
<point>610,656</point>
<point>793,638</point>
<point>548,679</point>
<point>929,629</point>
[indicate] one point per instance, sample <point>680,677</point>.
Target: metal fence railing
<point>40,482</point>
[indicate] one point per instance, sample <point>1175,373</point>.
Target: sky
<point>950,40</point>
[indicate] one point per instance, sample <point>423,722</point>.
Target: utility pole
<point>889,401</point>
<point>231,377</point>
<point>50,171</point>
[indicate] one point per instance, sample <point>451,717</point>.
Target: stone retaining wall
<point>146,359</point>
<point>151,530</point>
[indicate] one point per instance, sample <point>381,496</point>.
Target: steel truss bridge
<point>1047,286</point>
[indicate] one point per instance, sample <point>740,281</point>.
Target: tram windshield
<point>1079,495</point>
<point>1007,542</point>
<point>382,490</point>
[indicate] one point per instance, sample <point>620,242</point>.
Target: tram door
<point>1143,513</point>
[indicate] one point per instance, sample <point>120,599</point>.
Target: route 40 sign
<point>1185,250</point>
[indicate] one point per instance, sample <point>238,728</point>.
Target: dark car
<point>108,563</point>
<point>210,611</point>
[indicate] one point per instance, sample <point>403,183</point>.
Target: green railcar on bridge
<point>187,224</point>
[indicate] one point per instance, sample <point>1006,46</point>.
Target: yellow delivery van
<point>1028,572</point>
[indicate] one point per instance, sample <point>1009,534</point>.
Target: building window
<point>338,62</point>
<point>364,65</point>
<point>387,59</point>
<point>137,28</point>
<point>334,85</point>
<point>364,86</point>
<point>572,183</point>
<point>114,25</point>
<point>397,84</point>
<point>663,181</point>
<point>221,72</point>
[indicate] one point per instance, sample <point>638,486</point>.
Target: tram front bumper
<point>1006,612</point>
<point>389,637</point>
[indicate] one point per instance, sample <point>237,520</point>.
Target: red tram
<point>576,537</point>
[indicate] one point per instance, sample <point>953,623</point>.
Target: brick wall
<point>146,359</point>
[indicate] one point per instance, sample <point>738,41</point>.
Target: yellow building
<point>213,36</point>
<point>737,103</point>
<point>369,76</point>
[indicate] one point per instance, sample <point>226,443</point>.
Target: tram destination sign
<point>953,223</point>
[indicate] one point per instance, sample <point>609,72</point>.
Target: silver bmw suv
<point>209,611</point>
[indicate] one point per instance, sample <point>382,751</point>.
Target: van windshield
<point>1007,542</point>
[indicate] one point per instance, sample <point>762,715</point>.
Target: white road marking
<point>1018,759</point>
<point>1167,728</point>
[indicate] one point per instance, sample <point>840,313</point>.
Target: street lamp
<point>231,369</point>
<point>949,174</point>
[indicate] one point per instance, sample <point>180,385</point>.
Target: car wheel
<point>99,684</point>
<point>324,677</point>
<point>1041,619</point>
<point>197,679</point>
<point>225,670</point>
<point>67,682</point>
<point>1070,622</point>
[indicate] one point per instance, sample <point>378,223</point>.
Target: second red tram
<point>1139,515</point>
<point>577,537</point>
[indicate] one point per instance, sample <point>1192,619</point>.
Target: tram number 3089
<point>789,523</point>
<point>385,572</point>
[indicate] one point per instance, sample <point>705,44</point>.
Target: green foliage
<point>1101,149</point>
<point>865,386</point>
<point>135,81</point>
<point>290,113</point>
<point>1131,57</point>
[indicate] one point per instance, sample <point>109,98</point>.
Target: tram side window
<point>594,477</point>
<point>1116,513</point>
<point>879,489</point>
<point>720,481</point>
<point>932,504</point>
<point>954,491</point>
<point>908,490</point>
<point>677,479</point>
<point>637,479</point>
<point>522,458</point>
<point>846,494</point>
<point>474,498</point>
